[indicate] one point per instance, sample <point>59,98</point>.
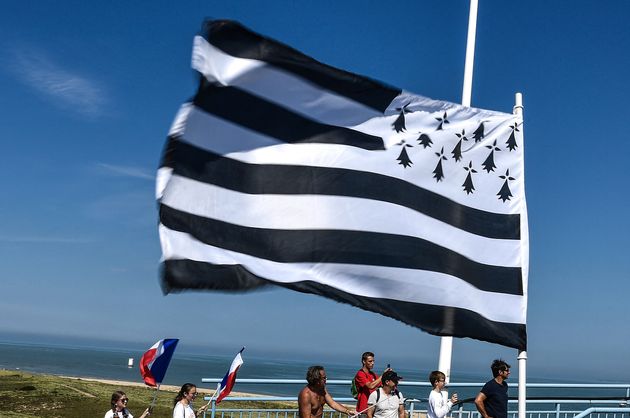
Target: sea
<point>112,363</point>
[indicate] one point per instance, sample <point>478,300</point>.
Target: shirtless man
<point>312,398</point>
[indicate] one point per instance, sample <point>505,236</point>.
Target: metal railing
<point>611,406</point>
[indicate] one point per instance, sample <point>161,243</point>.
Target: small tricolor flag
<point>226,385</point>
<point>155,361</point>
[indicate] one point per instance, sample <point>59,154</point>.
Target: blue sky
<point>89,90</point>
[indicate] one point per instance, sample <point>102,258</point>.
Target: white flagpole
<point>470,53</point>
<point>446,343</point>
<point>522,355</point>
<point>155,397</point>
<point>214,394</point>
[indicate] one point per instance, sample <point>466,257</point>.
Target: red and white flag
<point>226,385</point>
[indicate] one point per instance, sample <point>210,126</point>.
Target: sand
<point>166,388</point>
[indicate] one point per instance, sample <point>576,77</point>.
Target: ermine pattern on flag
<point>285,171</point>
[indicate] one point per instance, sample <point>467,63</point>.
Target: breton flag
<point>155,361</point>
<point>226,385</point>
<point>286,171</point>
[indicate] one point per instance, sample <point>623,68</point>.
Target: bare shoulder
<point>306,394</point>
<point>305,391</point>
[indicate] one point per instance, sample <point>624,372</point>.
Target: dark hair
<point>186,387</point>
<point>498,366</point>
<point>115,398</point>
<point>390,375</point>
<point>365,355</point>
<point>313,374</point>
<point>435,376</point>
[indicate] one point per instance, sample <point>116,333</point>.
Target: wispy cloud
<point>127,171</point>
<point>65,87</point>
<point>43,240</point>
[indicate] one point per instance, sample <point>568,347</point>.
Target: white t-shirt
<point>110,414</point>
<point>387,405</point>
<point>181,411</point>
<point>439,406</point>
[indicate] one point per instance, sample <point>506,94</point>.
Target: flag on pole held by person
<point>155,361</point>
<point>286,171</point>
<point>226,385</point>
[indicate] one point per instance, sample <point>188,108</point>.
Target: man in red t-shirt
<point>366,381</point>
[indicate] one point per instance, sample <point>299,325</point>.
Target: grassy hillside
<point>29,395</point>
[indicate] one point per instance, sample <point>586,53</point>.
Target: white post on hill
<point>446,343</point>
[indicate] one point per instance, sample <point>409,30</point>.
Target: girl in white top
<point>119,407</point>
<point>438,405</point>
<point>183,402</point>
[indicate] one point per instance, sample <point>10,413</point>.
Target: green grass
<point>27,395</point>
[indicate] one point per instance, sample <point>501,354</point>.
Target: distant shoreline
<point>167,388</point>
<point>127,383</point>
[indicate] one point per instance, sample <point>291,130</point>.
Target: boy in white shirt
<point>438,405</point>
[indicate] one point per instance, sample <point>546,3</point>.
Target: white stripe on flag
<point>300,212</point>
<point>369,281</point>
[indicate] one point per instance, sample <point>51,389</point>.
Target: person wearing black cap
<point>387,401</point>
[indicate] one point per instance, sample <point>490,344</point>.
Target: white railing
<point>613,405</point>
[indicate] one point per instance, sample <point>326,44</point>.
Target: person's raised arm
<point>481,397</point>
<point>373,384</point>
<point>361,380</point>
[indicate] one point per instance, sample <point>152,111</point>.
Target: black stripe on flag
<point>344,247</point>
<point>208,167</point>
<point>186,274</point>
<point>242,108</point>
<point>189,274</point>
<point>238,41</point>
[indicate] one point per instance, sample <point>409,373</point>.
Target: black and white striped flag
<point>283,170</point>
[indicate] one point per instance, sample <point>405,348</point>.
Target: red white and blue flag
<point>226,385</point>
<point>155,361</point>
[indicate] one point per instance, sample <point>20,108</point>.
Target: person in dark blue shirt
<point>492,401</point>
